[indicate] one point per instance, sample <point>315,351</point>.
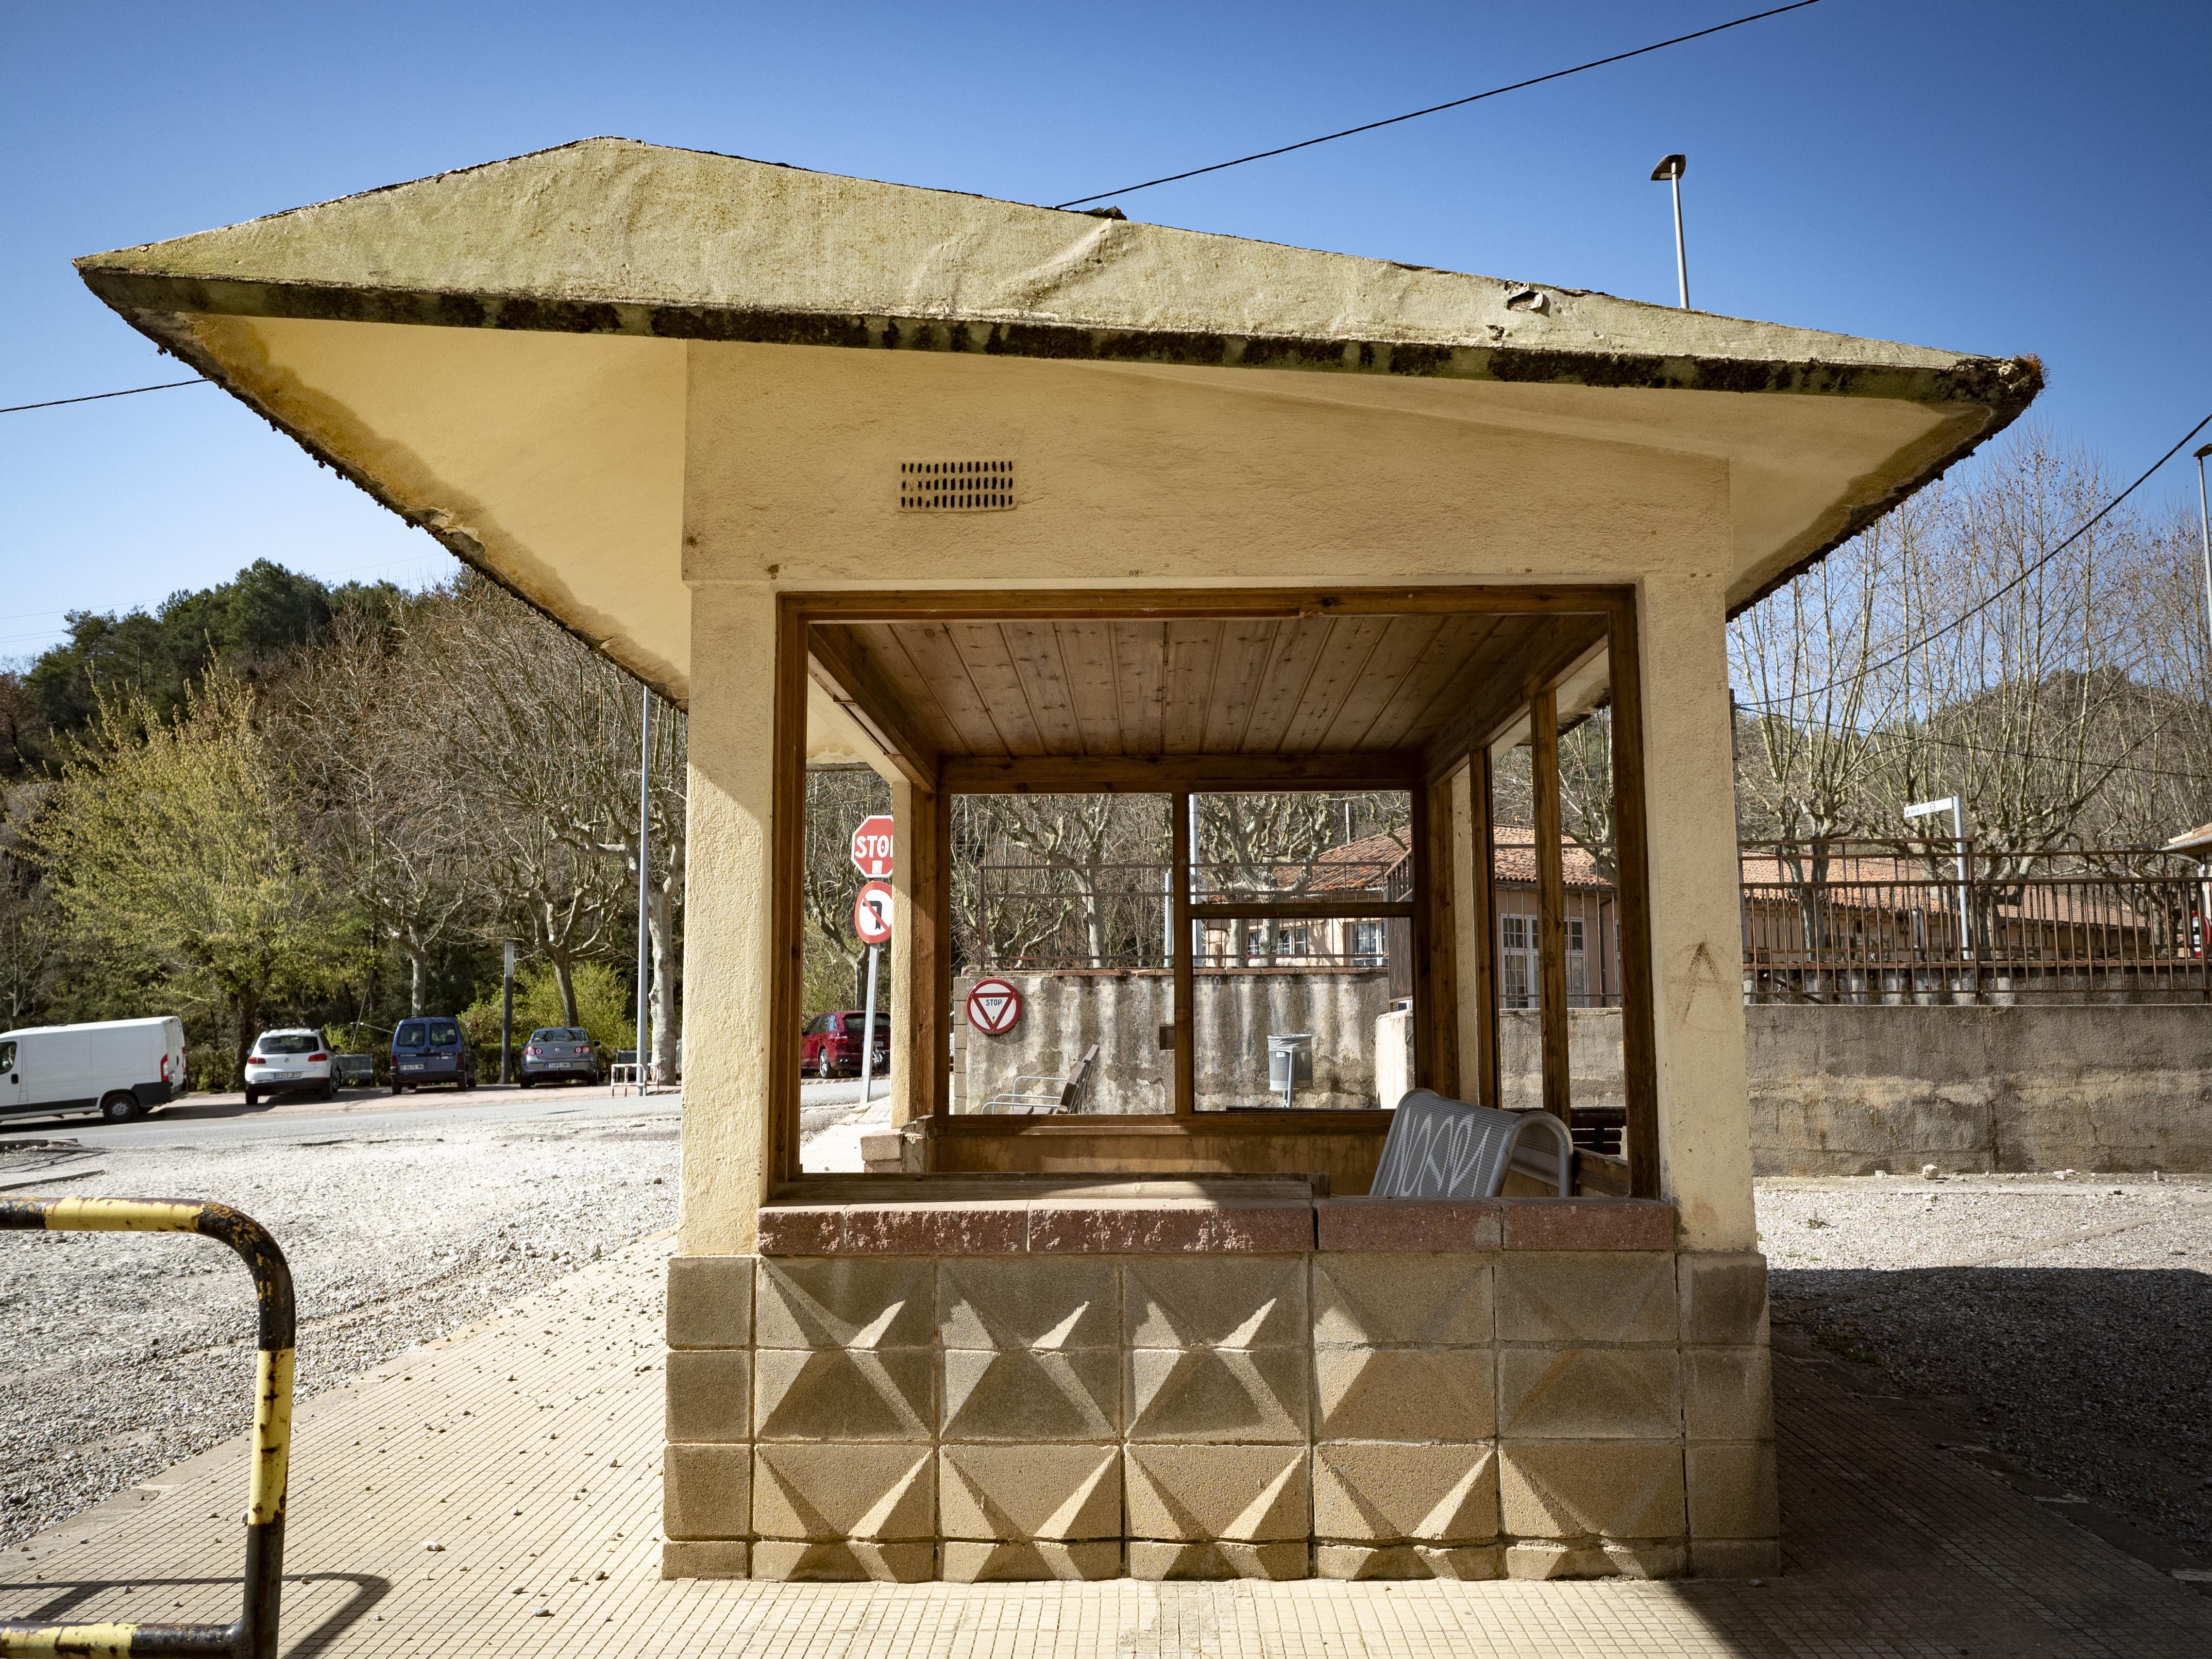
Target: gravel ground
<point>2065,1324</point>
<point>121,1354</point>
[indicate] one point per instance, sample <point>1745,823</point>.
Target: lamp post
<point>506,1013</point>
<point>2204,529</point>
<point>1923,808</point>
<point>644,877</point>
<point>1669,172</point>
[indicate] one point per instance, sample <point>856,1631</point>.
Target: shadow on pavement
<point>64,1596</point>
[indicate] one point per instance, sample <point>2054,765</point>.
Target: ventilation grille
<point>956,486</point>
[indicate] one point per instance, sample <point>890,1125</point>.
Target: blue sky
<point>1989,175</point>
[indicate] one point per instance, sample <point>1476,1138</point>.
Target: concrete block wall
<point>1353,1388</point>
<point>1847,1090</point>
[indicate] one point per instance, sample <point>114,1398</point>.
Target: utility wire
<point>1433,109</point>
<point>1982,749</point>
<point>1257,156</point>
<point>1968,615</point>
<point>93,397</point>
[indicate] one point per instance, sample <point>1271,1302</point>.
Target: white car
<point>120,1068</point>
<point>287,1060</point>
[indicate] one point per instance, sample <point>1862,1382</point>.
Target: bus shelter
<point>1002,500</point>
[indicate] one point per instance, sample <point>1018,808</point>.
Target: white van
<point>117,1068</point>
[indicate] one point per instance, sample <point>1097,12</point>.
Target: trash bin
<point>1290,1062</point>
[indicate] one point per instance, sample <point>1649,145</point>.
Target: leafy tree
<point>247,626</point>
<point>171,850</point>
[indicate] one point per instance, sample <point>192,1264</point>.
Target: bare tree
<point>374,760</point>
<point>546,744</point>
<point>2024,701</point>
<point>837,799</point>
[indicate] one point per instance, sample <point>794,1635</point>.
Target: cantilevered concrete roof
<point>323,317</point>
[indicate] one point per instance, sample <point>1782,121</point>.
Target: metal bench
<point>1031,1096</point>
<point>1440,1148</point>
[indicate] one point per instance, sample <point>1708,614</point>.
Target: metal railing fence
<point>1940,920</point>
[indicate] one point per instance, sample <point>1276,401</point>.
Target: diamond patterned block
<point>1471,1564</point>
<point>1028,1563</point>
<point>1217,1394</point>
<point>1024,1395</point>
<point>1021,1493</point>
<point>1215,1302</point>
<point>784,1562</point>
<point>1585,1295</point>
<point>846,1301</point>
<point>829,1395</point>
<point>710,1303</point>
<point>706,1492</point>
<point>1029,1301</point>
<point>1589,1393</point>
<point>1403,1394</point>
<point>1153,1561</point>
<point>709,1393</point>
<point>823,1493</point>
<point>1417,1494</point>
<point>1573,1489</point>
<point>706,1557</point>
<point>1363,1300</point>
<point>1250,1494</point>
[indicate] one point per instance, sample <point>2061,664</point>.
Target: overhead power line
<point>1437,109</point>
<point>94,397</point>
<point>1193,173</point>
<point>1969,614</point>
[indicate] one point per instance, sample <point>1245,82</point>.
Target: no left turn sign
<point>994,1006</point>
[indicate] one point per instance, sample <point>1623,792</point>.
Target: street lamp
<point>1923,809</point>
<point>2204,529</point>
<point>1669,172</point>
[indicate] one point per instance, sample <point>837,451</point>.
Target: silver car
<point>559,1052</point>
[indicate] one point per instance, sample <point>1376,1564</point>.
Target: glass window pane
<point>1063,990</point>
<point>1301,1017</point>
<point>1256,845</point>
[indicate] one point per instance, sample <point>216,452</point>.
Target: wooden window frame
<point>1424,773</point>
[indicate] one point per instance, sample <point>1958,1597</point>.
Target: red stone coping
<point>1133,1226</point>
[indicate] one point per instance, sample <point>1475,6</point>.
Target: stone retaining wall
<point>1848,1091</point>
<point>1350,1388</point>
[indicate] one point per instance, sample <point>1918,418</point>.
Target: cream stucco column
<point>905,974</point>
<point>1705,1124</point>
<point>728,1041</point>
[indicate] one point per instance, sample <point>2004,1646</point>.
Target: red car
<point>830,1044</point>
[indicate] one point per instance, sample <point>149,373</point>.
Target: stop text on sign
<point>994,1006</point>
<point>872,846</point>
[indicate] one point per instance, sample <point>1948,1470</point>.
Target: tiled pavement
<point>528,1448</point>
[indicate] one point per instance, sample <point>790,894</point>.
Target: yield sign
<point>872,846</point>
<point>994,1006</point>
<point>872,913</point>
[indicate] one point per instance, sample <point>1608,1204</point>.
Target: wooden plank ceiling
<point>1099,688</point>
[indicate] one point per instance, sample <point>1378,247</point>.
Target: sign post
<point>871,920</point>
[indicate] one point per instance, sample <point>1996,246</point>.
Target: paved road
<point>201,1120</point>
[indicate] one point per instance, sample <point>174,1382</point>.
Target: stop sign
<point>872,846</point>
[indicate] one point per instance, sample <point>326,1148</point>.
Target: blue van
<point>431,1050</point>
